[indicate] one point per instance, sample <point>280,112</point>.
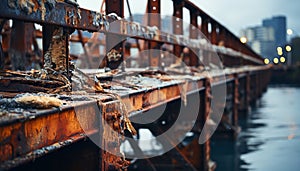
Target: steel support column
<point>127,54</point>
<point>177,24</point>
<point>248,90</point>
<point>222,37</point>
<point>228,40</point>
<point>207,110</point>
<point>115,6</point>
<point>154,18</point>
<point>20,44</point>
<point>2,57</point>
<point>214,38</point>
<point>56,48</point>
<point>204,29</point>
<point>194,35</point>
<point>235,102</point>
<point>114,41</point>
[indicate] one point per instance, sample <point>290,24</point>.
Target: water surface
<point>270,137</point>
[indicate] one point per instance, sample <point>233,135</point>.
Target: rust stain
<point>184,91</point>
<point>6,152</point>
<point>57,51</point>
<point>42,131</point>
<point>31,6</point>
<point>9,141</point>
<point>113,133</point>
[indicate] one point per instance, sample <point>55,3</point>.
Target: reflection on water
<point>270,137</point>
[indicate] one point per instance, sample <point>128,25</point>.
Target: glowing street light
<point>288,48</point>
<point>282,59</point>
<point>243,39</point>
<point>275,60</point>
<point>289,31</point>
<point>266,61</point>
<point>279,51</point>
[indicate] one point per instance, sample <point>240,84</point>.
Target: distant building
<point>266,38</point>
<point>278,23</point>
<point>295,53</point>
<point>261,39</point>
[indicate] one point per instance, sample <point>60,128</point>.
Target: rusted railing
<point>70,16</point>
<point>32,138</point>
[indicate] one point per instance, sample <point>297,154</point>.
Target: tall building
<point>260,39</point>
<point>295,53</point>
<point>278,23</point>
<point>265,39</point>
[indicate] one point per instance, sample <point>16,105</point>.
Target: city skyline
<point>267,37</point>
<point>218,10</point>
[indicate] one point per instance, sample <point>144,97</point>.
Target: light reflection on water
<point>270,137</point>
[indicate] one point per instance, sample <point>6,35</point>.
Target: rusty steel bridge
<point>50,115</point>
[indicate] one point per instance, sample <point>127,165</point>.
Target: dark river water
<point>270,137</point>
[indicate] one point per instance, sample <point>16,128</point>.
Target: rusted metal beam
<point>115,6</point>
<point>35,158</point>
<point>20,44</point>
<point>58,13</point>
<point>214,36</point>
<point>5,36</point>
<point>235,103</point>
<point>127,54</point>
<point>154,8</point>
<point>66,15</point>
<point>222,37</point>
<point>242,93</point>
<point>154,20</point>
<point>42,128</point>
<point>231,37</point>
<point>19,133</point>
<point>204,26</point>
<point>207,111</point>
<point>114,42</point>
<point>177,23</point>
<point>57,53</point>
<point>194,61</point>
<point>2,57</point>
<point>204,29</point>
<point>111,140</point>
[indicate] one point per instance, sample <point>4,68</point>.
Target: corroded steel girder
<point>24,135</point>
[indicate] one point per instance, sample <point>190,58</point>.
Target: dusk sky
<point>234,14</point>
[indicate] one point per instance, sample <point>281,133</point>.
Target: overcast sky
<point>234,14</point>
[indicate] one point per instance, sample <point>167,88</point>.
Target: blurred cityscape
<point>274,41</point>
